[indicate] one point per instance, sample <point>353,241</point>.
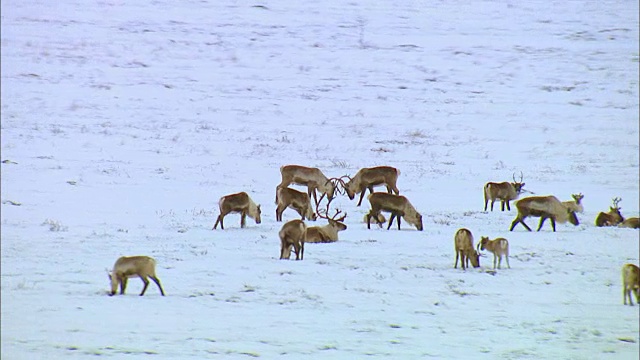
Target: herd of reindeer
<point>295,233</point>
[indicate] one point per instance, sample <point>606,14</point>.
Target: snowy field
<point>124,122</point>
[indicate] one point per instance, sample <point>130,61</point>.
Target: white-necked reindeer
<point>329,232</point>
<point>544,207</point>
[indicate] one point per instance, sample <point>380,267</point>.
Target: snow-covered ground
<point>125,121</point>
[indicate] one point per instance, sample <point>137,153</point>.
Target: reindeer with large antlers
<point>613,217</point>
<point>505,191</point>
<point>329,232</point>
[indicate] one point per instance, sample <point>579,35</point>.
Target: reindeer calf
<point>630,282</point>
<point>499,247</point>
<point>464,249</point>
<point>126,267</point>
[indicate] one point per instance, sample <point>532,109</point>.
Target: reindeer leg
<point>361,196</point>
<point>123,285</point>
<point>302,250</point>
<point>542,219</point>
<point>398,217</point>
<point>492,201</point>
<point>218,220</point>
<point>455,266</point>
<point>507,258</point>
<point>157,281</point>
<point>508,207</point>
<point>553,224</point>
<point>243,218</point>
<point>146,283</point>
<point>369,220</point>
<point>501,205</point>
<point>514,223</point>
<point>393,215</point>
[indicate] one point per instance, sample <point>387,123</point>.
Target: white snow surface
<point>124,122</point>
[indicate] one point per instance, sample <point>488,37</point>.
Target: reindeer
<point>463,241</point>
<point>398,205</point>
<point>633,223</point>
<point>312,178</point>
<point>499,247</point>
<point>575,205</point>
<point>505,191</point>
<point>380,220</point>
<point>237,203</point>
<point>630,282</point>
<point>545,207</point>
<point>329,232</point>
<point>126,267</point>
<point>367,178</point>
<point>292,233</point>
<point>613,217</point>
<point>299,201</point>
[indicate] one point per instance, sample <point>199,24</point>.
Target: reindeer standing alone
<point>505,191</point>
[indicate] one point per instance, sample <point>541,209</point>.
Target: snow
<point>125,122</point>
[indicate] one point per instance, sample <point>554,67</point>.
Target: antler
<point>616,200</point>
<point>514,177</point>
<point>324,213</point>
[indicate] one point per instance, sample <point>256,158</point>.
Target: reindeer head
<point>518,185</point>
<point>483,242</point>
<point>577,197</point>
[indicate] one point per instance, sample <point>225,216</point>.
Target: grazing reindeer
<point>299,201</point>
<point>633,223</point>
<point>464,249</point>
<point>505,191</point>
<point>545,207</point>
<point>327,233</point>
<point>367,178</point>
<point>312,178</point>
<point>293,233</point>
<point>613,217</point>
<point>630,282</point>
<point>237,203</point>
<point>499,247</point>
<point>399,207</point>
<point>380,220</point>
<point>126,267</point>
<point>575,205</point>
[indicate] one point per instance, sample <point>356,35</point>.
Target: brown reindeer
<point>630,283</point>
<point>399,207</point>
<point>613,217</point>
<point>505,191</point>
<point>367,178</point>
<point>238,203</point>
<point>576,204</point>
<point>299,201</point>
<point>463,241</point>
<point>499,247</point>
<point>292,234</point>
<point>312,178</point>
<point>545,207</point>
<point>131,266</point>
<point>633,223</point>
<point>329,232</point>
